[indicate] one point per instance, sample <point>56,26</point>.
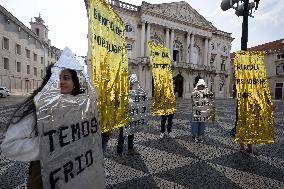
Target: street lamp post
<point>244,39</point>
<point>244,10</point>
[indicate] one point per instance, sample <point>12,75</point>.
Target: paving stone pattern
<point>182,163</point>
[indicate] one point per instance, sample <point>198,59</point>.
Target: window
<point>37,31</point>
<point>35,71</point>
<point>35,57</point>
<point>221,85</point>
<point>28,69</point>
<point>128,28</point>
<point>129,47</point>
<point>157,39</point>
<point>6,63</point>
<point>212,58</point>
<point>223,65</point>
<point>279,85</point>
<point>18,49</point>
<point>212,46</point>
<point>28,53</point>
<point>280,56</point>
<point>41,60</point>
<point>5,43</point>
<point>18,66</point>
<point>280,69</point>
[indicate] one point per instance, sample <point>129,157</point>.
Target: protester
<point>25,137</point>
<point>246,149</point>
<point>202,102</point>
<point>120,142</point>
<point>21,140</point>
<point>164,119</point>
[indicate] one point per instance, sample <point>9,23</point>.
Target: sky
<point>68,23</point>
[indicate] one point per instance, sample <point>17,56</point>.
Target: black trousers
<point>120,142</point>
<point>170,123</point>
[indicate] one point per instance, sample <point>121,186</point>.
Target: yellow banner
<point>164,102</point>
<point>109,64</point>
<point>255,113</point>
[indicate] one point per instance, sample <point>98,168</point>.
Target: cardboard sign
<point>139,112</point>
<point>202,102</point>
<point>70,143</point>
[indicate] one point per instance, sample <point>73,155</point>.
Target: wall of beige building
<point>23,56</point>
<point>271,61</point>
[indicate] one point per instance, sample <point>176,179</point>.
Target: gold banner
<point>255,113</point>
<point>164,102</point>
<point>109,64</point>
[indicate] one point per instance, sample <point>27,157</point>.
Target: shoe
<point>245,152</point>
<point>162,135</point>
<point>120,159</point>
<point>252,153</point>
<point>193,139</point>
<point>198,140</point>
<point>133,152</point>
<point>172,135</point>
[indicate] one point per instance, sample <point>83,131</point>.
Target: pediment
<point>181,11</point>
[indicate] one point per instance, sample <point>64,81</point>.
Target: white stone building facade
<point>24,53</point>
<point>198,49</point>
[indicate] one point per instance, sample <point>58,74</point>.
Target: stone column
<point>167,37</point>
<point>172,42</point>
<point>205,57</point>
<point>191,47</point>
<point>187,44</point>
<point>140,74</point>
<point>148,38</point>
<point>209,51</point>
<point>142,47</point>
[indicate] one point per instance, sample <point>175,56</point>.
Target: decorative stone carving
<point>178,10</point>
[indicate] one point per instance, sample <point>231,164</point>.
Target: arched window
<point>157,39</point>
<point>37,31</point>
<point>177,51</point>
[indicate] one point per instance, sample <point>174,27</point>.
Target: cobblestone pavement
<point>181,163</point>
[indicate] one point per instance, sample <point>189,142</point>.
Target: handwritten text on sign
<point>201,104</point>
<point>138,113</point>
<point>70,145</point>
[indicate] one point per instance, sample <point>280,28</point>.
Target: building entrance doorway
<point>178,84</point>
<point>278,91</point>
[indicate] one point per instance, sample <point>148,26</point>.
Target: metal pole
<point>245,26</point>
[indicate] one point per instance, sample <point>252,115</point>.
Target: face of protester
<point>66,82</point>
<point>200,87</point>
